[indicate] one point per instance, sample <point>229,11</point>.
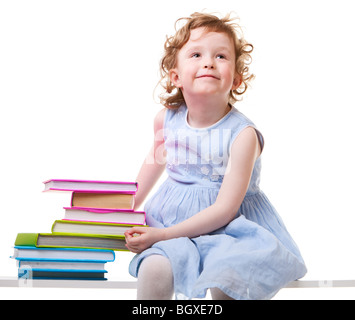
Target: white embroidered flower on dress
<point>205,170</point>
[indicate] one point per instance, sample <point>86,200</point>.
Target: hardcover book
<point>71,241</point>
<point>27,273</point>
<point>110,216</point>
<point>90,185</point>
<point>60,265</point>
<point>85,227</point>
<point>63,254</point>
<point>103,200</point>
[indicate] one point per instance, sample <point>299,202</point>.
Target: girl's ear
<point>174,78</point>
<point>237,82</point>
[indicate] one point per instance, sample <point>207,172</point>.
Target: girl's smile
<point>207,76</point>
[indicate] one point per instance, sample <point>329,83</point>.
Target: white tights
<point>156,281</point>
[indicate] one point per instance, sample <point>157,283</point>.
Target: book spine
<point>27,239</point>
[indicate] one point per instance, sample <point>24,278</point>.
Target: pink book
<point>96,186</point>
<point>107,216</point>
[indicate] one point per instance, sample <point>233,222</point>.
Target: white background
<point>77,80</point>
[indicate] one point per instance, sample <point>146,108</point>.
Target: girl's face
<point>206,65</point>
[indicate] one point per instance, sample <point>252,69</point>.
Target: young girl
<point>211,227</point>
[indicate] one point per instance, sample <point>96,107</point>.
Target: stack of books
<point>81,242</point>
<point>60,263</point>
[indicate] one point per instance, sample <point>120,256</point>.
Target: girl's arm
<point>154,164</point>
<point>245,150</point>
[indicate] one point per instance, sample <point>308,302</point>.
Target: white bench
<point>112,284</point>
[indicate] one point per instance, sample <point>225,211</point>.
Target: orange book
<point>102,200</point>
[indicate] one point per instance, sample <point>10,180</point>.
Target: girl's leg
<point>218,294</point>
<point>155,279</point>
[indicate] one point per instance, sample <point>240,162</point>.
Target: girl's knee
<point>155,279</point>
<point>156,267</point>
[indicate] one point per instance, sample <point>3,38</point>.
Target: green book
<point>71,240</point>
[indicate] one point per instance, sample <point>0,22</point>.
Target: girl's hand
<point>140,238</point>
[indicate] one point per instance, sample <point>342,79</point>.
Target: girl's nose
<point>209,66</point>
<point>208,63</point>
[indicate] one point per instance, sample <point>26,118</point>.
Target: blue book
<point>24,273</point>
<point>29,253</point>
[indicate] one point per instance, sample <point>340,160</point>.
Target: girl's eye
<point>195,55</point>
<point>221,56</point>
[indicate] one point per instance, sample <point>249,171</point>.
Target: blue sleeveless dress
<point>252,257</point>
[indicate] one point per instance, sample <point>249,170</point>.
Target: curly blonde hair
<point>173,98</point>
